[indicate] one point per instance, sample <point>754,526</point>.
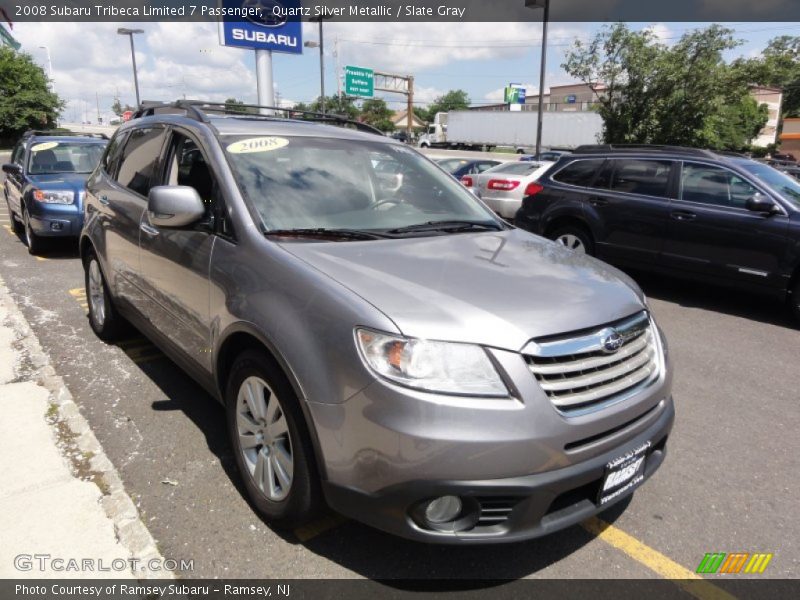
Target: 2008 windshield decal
<point>257,144</point>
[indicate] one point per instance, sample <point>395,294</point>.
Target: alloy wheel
<point>572,242</point>
<point>97,295</point>
<point>264,439</point>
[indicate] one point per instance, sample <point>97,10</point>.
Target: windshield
<point>65,157</point>
<point>781,183</point>
<point>305,183</point>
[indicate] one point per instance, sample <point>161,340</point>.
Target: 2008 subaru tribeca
<point>381,341</point>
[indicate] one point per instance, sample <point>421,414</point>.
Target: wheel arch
<point>562,221</point>
<point>241,337</point>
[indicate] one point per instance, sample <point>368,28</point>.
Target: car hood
<point>498,289</point>
<point>60,181</point>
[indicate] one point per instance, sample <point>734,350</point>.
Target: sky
<point>92,64</point>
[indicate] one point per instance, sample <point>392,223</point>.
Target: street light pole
<point>130,33</point>
<point>545,4</point>
<point>49,63</point>
<point>321,46</point>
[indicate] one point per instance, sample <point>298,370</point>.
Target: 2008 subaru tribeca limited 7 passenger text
<point>380,340</point>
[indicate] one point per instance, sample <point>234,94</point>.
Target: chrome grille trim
<point>578,374</point>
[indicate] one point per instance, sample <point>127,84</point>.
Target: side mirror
<point>761,203</point>
<point>174,206</point>
<point>11,169</point>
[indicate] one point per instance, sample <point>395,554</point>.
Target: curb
<point>79,446</point>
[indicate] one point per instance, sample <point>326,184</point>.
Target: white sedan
<point>503,187</point>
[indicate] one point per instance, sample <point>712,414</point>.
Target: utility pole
<point>266,91</point>
<point>545,4</point>
<point>97,102</point>
<point>410,110</point>
<point>338,68</point>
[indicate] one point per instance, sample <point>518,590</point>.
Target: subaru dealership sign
<point>266,28</point>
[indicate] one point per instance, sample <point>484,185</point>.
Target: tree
<point>376,113</point>
<point>778,66</point>
<point>237,106</point>
<point>344,106</point>
<point>452,100</point>
<point>649,93</point>
<point>26,101</point>
<point>118,109</point>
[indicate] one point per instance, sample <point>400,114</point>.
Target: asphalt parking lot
<point>729,483</point>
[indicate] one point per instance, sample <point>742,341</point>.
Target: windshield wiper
<point>453,226</point>
<point>351,234</point>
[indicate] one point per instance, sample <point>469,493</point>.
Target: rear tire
<point>103,317</point>
<point>575,238</point>
<point>271,443</point>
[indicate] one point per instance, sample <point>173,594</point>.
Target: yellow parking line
<point>9,230</point>
<point>318,527</point>
<point>690,581</point>
<point>76,292</point>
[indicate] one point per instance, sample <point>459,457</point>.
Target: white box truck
<point>485,129</point>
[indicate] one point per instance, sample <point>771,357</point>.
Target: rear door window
<point>111,158</point>
<point>579,172</point>
<point>140,159</point>
<point>642,177</point>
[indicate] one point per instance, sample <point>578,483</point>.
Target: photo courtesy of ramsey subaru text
<point>383,343</point>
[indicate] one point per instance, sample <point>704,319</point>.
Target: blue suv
<point>45,181</point>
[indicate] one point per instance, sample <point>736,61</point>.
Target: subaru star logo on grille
<point>268,16</point>
<point>612,341</point>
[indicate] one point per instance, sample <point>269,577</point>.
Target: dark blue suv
<point>714,217</point>
<point>45,181</point>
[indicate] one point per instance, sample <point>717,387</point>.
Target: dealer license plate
<point>623,474</point>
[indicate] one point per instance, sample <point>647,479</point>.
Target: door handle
<point>104,200</point>
<point>149,229</point>
<point>683,215</point>
<point>598,202</point>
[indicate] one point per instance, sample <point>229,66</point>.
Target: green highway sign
<point>359,81</point>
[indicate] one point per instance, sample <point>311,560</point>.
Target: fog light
<point>56,226</point>
<point>442,510</point>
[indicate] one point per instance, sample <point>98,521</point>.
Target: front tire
<point>103,317</point>
<point>271,442</point>
<point>575,238</point>
<point>32,241</point>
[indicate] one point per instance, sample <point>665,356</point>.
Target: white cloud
<point>661,32</point>
<point>413,47</point>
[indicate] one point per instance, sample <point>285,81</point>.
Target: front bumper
<point>509,509</point>
<point>57,220</point>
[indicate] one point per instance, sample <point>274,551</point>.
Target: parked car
<point>44,183</point>
<point>547,155</point>
<point>695,213</point>
<point>401,354</point>
<point>503,187</point>
<point>459,167</point>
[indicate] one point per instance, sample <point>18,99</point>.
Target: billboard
<point>514,93</point>
<point>269,27</point>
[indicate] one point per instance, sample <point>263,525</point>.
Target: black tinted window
<point>113,153</point>
<point>714,185</point>
<point>18,154</point>
<point>580,172</point>
<point>645,177</point>
<point>139,159</point>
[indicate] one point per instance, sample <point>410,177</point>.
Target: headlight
<point>54,196</point>
<point>444,367</point>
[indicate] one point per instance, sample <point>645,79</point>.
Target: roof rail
<point>64,132</point>
<point>201,109</point>
<point>605,148</point>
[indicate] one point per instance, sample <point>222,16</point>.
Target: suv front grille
<point>580,372</point>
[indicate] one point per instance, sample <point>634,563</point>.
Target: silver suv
<point>381,341</point>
